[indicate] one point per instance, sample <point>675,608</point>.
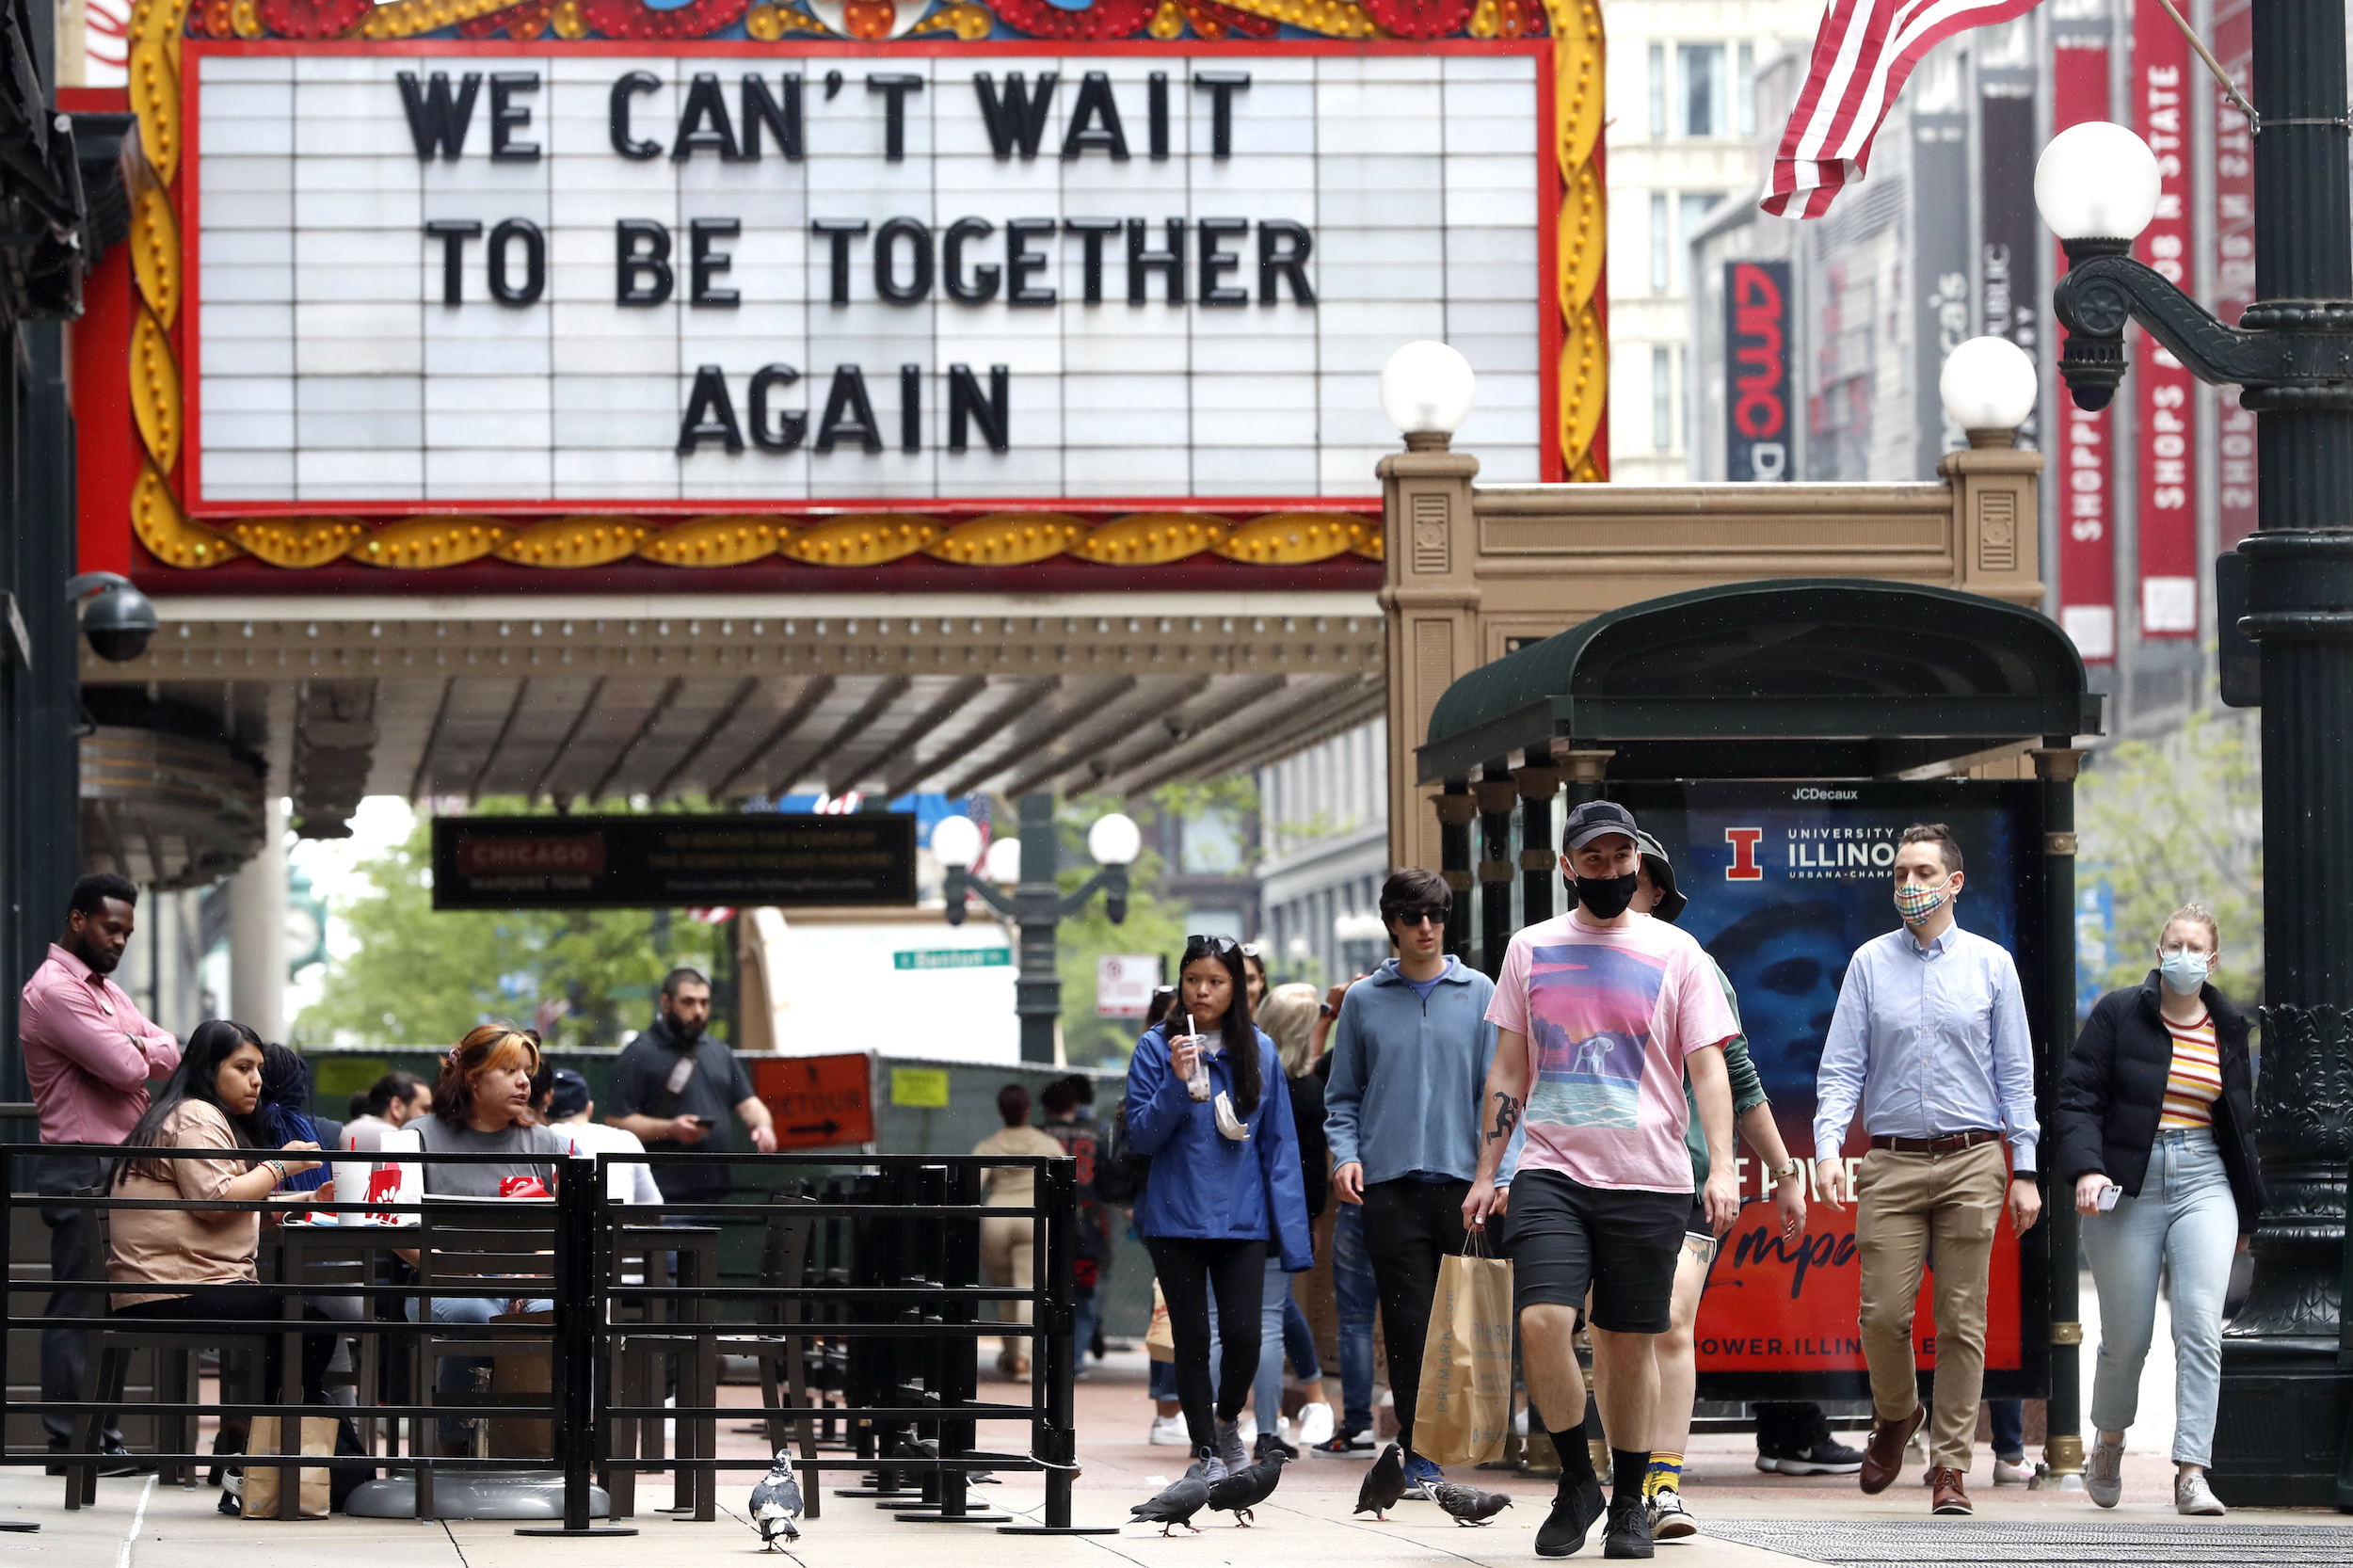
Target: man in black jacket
<point>675,1085</point>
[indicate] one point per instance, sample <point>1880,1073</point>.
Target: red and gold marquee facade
<point>133,410</point>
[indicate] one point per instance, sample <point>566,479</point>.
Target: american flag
<point>1863,55</point>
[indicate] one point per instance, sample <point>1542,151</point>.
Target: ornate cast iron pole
<point>2287,1409</point>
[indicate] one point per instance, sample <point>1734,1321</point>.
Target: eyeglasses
<point>1252,949</point>
<point>1216,947</point>
<point>1414,917</point>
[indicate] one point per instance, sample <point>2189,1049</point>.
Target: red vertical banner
<point>2234,230</point>
<point>2087,546</point>
<point>2164,392</point>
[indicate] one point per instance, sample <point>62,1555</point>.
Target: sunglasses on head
<point>1415,914</point>
<point>1216,947</point>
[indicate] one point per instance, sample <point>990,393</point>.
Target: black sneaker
<point>1574,1510</point>
<point>1348,1445</point>
<point>1272,1443</point>
<point>114,1461</point>
<point>1628,1532</point>
<point>1823,1455</point>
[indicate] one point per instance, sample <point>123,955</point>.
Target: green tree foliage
<point>2173,821</point>
<point>424,977</point>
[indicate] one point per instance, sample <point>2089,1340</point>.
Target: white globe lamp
<point>1427,390</point>
<point>1003,864</point>
<point>1989,388</point>
<point>2096,182</point>
<point>1114,840</point>
<point>956,843</point>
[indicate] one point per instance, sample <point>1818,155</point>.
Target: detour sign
<point>817,1101</point>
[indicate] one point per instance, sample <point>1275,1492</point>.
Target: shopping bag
<point>261,1477</point>
<point>1462,1408</point>
<point>1160,1341</point>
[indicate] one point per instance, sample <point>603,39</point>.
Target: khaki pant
<point>1907,1205</point>
<point>1007,1253</point>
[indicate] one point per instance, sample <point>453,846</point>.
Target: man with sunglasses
<point>1601,1014</point>
<point>1410,1052</point>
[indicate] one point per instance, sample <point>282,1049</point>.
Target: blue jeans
<point>1282,1331</point>
<point>1357,1298</point>
<point>1083,1325</point>
<point>2185,1219</point>
<point>2009,1420</point>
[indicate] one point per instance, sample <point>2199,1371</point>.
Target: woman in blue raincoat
<point>1207,1105</point>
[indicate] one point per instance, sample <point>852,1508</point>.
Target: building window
<point>1662,398</point>
<point>1211,845</point>
<point>1657,92</point>
<point>1683,405</point>
<point>1706,105</point>
<point>1744,90</point>
<point>1662,267</point>
<point>1692,210</point>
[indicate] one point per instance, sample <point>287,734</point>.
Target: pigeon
<point>776,1504</point>
<point>1176,1506</point>
<point>1385,1483</point>
<point>1246,1489</point>
<point>1468,1505</point>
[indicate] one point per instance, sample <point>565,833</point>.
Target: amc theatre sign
<point>469,272</point>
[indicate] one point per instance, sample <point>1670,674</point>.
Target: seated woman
<point>153,1254</point>
<point>482,1105</point>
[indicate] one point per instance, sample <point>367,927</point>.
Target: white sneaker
<point>1315,1424</point>
<point>1669,1519</point>
<point>2192,1495</point>
<point>1247,1423</point>
<point>2104,1473</point>
<point>2006,1474</point>
<point>1168,1431</point>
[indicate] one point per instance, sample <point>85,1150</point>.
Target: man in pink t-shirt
<point>1599,1015</point>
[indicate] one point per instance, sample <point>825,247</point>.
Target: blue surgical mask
<point>2185,971</point>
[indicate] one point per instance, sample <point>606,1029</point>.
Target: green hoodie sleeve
<point>1748,1090</point>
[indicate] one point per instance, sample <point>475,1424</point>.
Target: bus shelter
<point>1777,737</point>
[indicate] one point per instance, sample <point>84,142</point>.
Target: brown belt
<point>1952,1142</point>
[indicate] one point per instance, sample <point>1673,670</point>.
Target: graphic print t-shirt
<point>1610,1012</point>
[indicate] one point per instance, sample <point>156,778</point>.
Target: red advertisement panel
<point>2164,392</point>
<point>2234,230</point>
<point>2086,553</point>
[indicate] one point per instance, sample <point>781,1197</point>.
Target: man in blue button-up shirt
<point>1930,1040</point>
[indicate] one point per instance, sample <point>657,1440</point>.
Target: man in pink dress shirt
<point>88,1055</point>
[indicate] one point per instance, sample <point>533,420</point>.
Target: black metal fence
<point>863,1322</point>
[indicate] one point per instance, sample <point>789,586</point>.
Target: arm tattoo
<point>1507,1116</point>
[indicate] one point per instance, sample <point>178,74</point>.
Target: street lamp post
<point>1036,906</point>
<point>2287,1409</point>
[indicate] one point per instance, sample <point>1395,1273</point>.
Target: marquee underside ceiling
<point>573,704</point>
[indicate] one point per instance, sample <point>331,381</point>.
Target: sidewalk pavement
<point>137,1524</point>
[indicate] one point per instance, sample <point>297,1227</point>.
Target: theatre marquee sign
<point>478,273</point>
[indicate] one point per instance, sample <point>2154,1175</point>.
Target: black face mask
<point>1605,897</point>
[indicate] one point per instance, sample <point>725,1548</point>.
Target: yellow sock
<point>1664,1475</point>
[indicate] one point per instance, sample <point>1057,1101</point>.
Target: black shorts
<point>1699,1224</point>
<point>1565,1238</point>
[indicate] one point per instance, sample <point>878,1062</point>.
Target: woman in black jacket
<point>2156,1128</point>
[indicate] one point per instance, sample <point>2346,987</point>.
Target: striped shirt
<point>2196,1079</point>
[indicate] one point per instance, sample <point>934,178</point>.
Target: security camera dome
<point>117,623</point>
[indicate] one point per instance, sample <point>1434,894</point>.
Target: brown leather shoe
<point>1951,1496</point>
<point>1883,1454</point>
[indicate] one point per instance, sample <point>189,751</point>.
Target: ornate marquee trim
<point>429,540</point>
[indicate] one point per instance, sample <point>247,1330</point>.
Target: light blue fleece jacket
<point>1407,1076</point>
